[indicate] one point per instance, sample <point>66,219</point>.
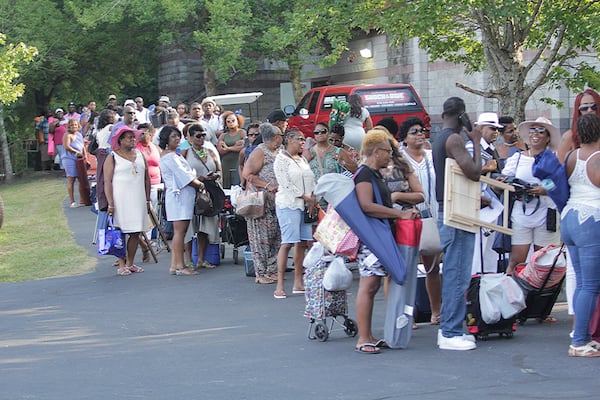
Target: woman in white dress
<point>180,193</point>
<point>127,189</point>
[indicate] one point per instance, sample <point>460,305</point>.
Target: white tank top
<point>584,196</point>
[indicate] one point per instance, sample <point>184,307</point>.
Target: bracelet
<point>267,186</point>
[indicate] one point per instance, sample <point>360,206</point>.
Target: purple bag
<point>110,240</point>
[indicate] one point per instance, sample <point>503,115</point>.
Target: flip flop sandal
<point>362,349</point>
<point>207,265</point>
<point>279,294</point>
<point>185,271</point>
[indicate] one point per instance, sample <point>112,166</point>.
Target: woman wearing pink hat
<point>127,189</point>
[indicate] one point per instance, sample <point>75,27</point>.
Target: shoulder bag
<point>251,203</point>
<point>429,244</point>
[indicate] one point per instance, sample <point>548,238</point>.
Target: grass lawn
<point>35,241</point>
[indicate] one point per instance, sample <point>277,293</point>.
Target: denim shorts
<point>293,228</point>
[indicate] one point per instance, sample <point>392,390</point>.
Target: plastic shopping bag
<point>337,277</point>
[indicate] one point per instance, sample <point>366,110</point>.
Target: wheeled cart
<point>325,309</point>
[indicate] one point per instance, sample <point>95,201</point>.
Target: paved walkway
<point>219,335</point>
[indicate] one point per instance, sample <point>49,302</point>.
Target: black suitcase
<point>476,325</point>
<point>422,311</point>
<point>539,302</point>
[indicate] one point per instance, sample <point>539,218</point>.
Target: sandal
<point>367,348</point>
<point>135,268</point>
<point>279,294</point>
<point>207,265</point>
<point>435,319</point>
<point>185,271</point>
<point>586,350</point>
<point>265,280</point>
<point>116,263</point>
<point>123,271</point>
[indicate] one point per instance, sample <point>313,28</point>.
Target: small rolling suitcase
<point>475,323</point>
<point>540,301</point>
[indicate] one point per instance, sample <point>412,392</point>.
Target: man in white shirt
<point>215,126</point>
<point>142,113</point>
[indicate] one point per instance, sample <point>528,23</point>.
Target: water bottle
<point>548,185</point>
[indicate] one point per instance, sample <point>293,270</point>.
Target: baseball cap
<point>129,102</point>
<point>165,99</point>
<point>277,115</point>
<point>112,97</point>
<point>59,110</point>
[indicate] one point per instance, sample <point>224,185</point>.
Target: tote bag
<point>110,240</point>
<point>336,236</point>
<point>251,203</point>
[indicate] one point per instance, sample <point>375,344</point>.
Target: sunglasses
<point>200,135</point>
<point>587,107</point>
<point>416,131</point>
<point>319,131</point>
<point>537,130</point>
<point>253,134</point>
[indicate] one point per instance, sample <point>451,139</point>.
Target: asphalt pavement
<point>219,335</point>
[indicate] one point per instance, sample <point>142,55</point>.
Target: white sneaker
<point>456,343</point>
<point>469,338</point>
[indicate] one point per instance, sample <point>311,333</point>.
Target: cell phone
<point>464,119</point>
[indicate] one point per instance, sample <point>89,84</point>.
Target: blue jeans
<point>584,249</point>
<point>458,247</point>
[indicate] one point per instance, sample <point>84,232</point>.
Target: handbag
<point>408,231</point>
<point>217,197</point>
<point>203,203</point>
<point>545,269</point>
<point>110,240</point>
<point>336,236</point>
<point>310,217</point>
<point>251,203</point>
<point>429,243</point>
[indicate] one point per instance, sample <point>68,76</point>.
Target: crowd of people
<point>398,173</point>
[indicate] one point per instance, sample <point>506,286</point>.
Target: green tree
<point>303,32</point>
<point>12,56</point>
<point>522,45</point>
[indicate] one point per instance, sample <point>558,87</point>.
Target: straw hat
<point>555,136</point>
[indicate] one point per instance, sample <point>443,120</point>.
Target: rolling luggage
<point>475,323</point>
<point>540,300</point>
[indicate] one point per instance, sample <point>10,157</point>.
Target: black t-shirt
<point>367,174</point>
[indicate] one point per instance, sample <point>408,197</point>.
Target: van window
<point>328,100</point>
<point>390,101</point>
<point>303,103</point>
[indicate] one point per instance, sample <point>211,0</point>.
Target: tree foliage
<point>12,57</point>
<point>521,45</point>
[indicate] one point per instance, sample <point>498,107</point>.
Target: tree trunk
<point>210,81</point>
<point>295,67</point>
<point>8,170</point>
